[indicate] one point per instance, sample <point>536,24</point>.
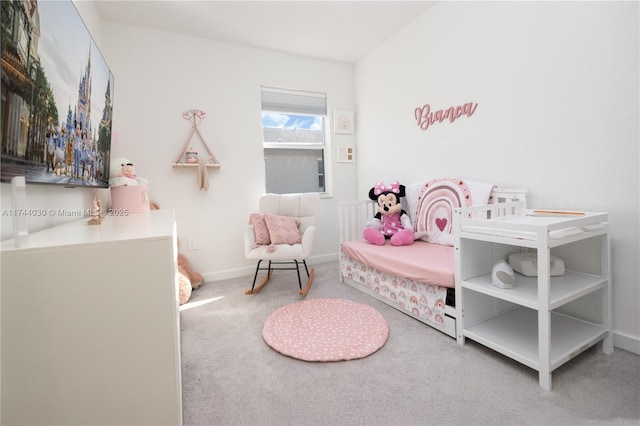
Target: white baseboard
<point>248,271</point>
<point>331,257</point>
<point>228,274</point>
<point>626,341</point>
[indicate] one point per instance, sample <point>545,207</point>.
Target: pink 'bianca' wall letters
<point>425,117</point>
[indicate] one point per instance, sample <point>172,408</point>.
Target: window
<point>294,141</point>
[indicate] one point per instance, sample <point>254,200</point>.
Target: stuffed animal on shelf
<point>123,173</point>
<point>391,222</point>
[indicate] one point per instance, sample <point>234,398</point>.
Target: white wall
<point>158,75</point>
<point>557,92</point>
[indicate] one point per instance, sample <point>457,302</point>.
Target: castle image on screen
<point>57,97</point>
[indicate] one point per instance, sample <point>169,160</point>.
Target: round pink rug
<point>325,330</point>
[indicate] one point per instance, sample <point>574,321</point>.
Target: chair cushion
<point>282,252</point>
<point>260,229</point>
<point>304,207</point>
<point>282,229</point>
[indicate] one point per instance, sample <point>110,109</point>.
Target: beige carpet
<point>419,377</point>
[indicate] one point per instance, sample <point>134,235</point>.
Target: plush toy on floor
<point>184,286</point>
<point>193,278</point>
<point>391,222</point>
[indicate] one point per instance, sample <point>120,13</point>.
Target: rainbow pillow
<point>436,201</point>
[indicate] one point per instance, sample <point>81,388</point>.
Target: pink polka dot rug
<point>324,330</point>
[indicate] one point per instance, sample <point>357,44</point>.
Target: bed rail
<point>476,214</point>
<point>504,195</point>
<point>354,216</point>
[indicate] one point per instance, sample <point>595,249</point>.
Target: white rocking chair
<point>304,208</point>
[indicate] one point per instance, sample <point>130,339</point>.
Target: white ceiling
<point>335,30</point>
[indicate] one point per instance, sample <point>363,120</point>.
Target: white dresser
<point>90,324</point>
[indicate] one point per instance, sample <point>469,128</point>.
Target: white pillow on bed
<point>411,199</point>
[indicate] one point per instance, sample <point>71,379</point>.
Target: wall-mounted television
<point>57,97</point>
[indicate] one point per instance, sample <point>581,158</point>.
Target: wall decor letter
<point>425,117</point>
<point>422,115</point>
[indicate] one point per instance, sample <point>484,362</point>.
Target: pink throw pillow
<point>283,229</point>
<point>260,229</point>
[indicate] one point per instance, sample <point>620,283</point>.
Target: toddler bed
<point>417,279</point>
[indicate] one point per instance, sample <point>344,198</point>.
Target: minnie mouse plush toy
<point>391,222</point>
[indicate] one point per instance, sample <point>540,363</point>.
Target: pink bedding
<point>421,261</point>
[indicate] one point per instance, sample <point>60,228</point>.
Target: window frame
<point>324,147</point>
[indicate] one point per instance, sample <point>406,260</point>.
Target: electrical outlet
<point>192,244</point>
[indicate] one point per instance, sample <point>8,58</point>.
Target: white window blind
<point>279,100</point>
<point>294,140</point>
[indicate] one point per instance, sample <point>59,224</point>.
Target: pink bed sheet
<point>421,261</point>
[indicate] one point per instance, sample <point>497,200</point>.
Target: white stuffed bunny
<point>123,173</point>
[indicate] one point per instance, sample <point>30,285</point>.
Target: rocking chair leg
<point>298,271</point>
<point>304,291</point>
<point>256,274</point>
<point>255,289</point>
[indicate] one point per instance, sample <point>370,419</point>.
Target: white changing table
<point>543,321</point>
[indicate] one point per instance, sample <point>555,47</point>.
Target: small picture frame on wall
<point>343,122</point>
<point>345,154</point>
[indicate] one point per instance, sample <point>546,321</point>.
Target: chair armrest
<point>249,240</point>
<point>307,239</point>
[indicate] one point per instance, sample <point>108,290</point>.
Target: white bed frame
<point>354,216</point>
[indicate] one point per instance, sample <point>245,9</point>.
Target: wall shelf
<point>185,165</point>
<point>195,116</point>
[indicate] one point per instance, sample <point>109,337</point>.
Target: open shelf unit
<point>514,333</point>
<point>543,321</point>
